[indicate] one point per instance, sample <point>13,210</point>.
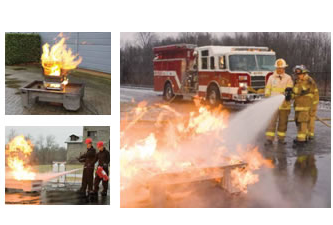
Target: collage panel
<point>57,165</point>
<point>225,120</point>
<point>58,73</point>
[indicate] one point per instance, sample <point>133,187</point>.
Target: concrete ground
<point>96,101</point>
<point>56,194</point>
<point>301,177</point>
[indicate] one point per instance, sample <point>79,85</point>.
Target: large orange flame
<point>59,59</point>
<point>18,151</point>
<point>182,128</point>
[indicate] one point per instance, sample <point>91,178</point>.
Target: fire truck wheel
<point>168,92</point>
<point>213,96</point>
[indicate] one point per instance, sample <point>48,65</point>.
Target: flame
<point>18,151</point>
<point>241,178</point>
<point>205,123</point>
<point>59,59</point>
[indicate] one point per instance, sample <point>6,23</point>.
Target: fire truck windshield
<point>251,62</point>
<point>266,62</point>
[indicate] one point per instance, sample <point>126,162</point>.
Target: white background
<point>158,16</point>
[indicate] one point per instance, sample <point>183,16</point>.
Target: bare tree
<point>11,135</point>
<point>146,39</point>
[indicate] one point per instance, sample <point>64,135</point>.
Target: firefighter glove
<point>304,92</point>
<point>288,93</point>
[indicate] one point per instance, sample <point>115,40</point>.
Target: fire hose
<point>288,96</point>
<point>322,120</point>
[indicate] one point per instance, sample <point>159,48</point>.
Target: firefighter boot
<point>268,142</point>
<point>282,142</point>
<point>298,144</point>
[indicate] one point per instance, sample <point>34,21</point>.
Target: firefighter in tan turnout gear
<point>276,85</point>
<point>306,99</point>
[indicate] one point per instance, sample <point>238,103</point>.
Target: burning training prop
<point>18,152</point>
<point>193,150</point>
<point>57,61</point>
<point>20,175</point>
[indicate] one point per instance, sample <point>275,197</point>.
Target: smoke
<point>242,130</point>
<point>244,127</point>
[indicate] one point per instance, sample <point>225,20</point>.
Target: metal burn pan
<point>70,97</point>
<point>25,185</point>
<point>159,183</point>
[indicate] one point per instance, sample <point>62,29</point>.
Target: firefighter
<point>313,112</point>
<point>103,159</point>
<point>279,83</point>
<point>88,170</point>
<point>304,93</point>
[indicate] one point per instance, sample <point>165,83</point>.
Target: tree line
<point>312,49</point>
<point>45,151</point>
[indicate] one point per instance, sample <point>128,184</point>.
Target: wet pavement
<point>97,97</point>
<point>301,177</point>
<point>50,195</point>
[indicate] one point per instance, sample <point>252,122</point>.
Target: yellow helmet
<point>280,63</point>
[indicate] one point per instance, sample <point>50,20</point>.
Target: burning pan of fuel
<point>201,146</point>
<point>20,175</point>
<point>57,62</point>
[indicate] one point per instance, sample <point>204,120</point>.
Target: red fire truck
<point>215,73</point>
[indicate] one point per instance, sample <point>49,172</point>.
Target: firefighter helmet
<point>280,63</point>
<point>88,141</point>
<point>100,144</point>
<point>300,69</point>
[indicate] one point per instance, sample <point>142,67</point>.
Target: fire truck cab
<point>218,74</point>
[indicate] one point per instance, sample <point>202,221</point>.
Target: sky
<point>60,133</point>
<point>131,36</point>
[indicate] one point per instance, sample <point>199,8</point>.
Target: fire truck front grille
<point>258,82</point>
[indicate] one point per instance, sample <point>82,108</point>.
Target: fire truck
<point>228,74</point>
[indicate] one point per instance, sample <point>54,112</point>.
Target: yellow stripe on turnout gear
<point>270,134</point>
<point>298,108</point>
<point>301,136</point>
<point>280,90</point>
<point>281,134</point>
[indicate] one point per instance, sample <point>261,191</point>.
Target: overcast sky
<point>60,133</point>
<point>131,36</point>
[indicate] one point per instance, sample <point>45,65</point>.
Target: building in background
<point>93,47</point>
<point>76,144</point>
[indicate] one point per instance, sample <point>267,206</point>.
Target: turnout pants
<point>311,125</point>
<point>104,183</point>
<point>87,179</point>
<point>302,119</point>
<point>280,118</point>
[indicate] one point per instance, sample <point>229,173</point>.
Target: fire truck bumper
<point>247,98</point>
